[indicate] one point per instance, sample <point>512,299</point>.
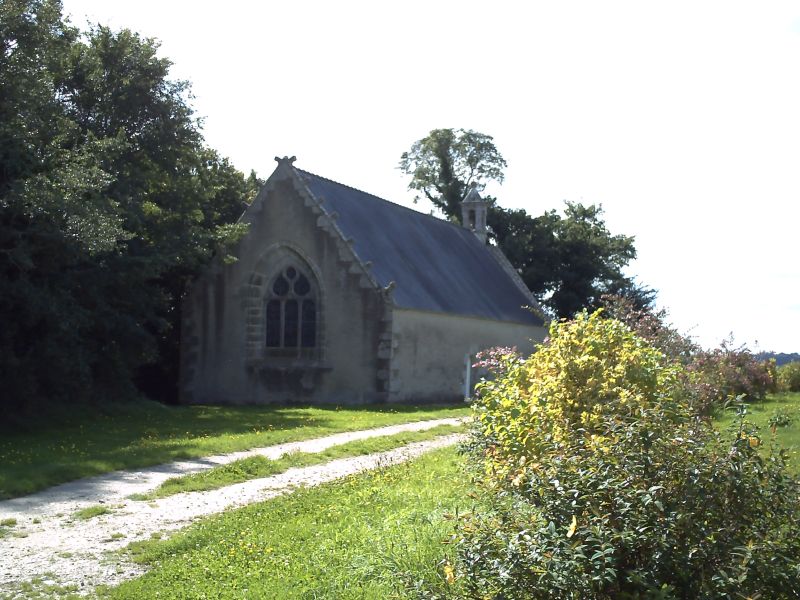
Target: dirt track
<point>62,550</point>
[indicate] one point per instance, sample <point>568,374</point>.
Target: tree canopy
<point>109,202</point>
<point>446,162</point>
<point>567,260</point>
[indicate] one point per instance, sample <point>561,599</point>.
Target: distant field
<point>148,433</point>
<point>782,408</point>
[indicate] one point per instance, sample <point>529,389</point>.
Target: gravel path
<point>65,551</point>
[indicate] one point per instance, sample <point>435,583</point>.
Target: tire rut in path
<point>67,551</point>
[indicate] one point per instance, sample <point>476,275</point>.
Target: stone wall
<point>225,359</point>
<point>431,352</point>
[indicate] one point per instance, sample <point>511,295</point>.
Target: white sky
<point>682,119</point>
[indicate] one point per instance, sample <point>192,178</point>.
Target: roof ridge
<point>416,212</point>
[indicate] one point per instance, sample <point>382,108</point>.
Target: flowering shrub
<point>718,376</point>
<point>788,377</point>
<point>590,366</point>
<point>602,483</point>
<point>712,378</point>
<point>498,359</point>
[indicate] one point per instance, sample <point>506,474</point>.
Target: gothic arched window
<point>291,312</point>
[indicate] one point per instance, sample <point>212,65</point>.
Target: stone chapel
<point>338,296</point>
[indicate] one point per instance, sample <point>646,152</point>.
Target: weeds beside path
<point>48,537</point>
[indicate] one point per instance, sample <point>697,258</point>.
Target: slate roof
<point>436,265</point>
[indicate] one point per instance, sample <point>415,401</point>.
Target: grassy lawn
<point>381,534</point>
<point>377,535</point>
<point>148,433</point>
<point>259,466</point>
<point>783,408</point>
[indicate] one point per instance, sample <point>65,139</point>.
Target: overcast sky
<point>682,119</point>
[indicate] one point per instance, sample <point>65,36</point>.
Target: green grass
<point>90,512</point>
<point>260,466</point>
<point>40,588</point>
<point>381,534</point>
<point>6,525</point>
<point>376,535</point>
<point>760,413</point>
<point>147,433</point>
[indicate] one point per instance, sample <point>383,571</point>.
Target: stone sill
<point>283,364</point>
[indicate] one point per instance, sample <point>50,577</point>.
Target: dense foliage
<point>445,163</point>
<point>568,261</point>
<point>723,374</point>
<point>109,202</point>
<point>652,326</point>
<point>712,379</point>
<point>789,377</point>
<point>603,483</point>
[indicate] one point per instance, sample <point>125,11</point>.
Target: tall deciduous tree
<point>109,202</point>
<point>446,162</point>
<point>568,261</point>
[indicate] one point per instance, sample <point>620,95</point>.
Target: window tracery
<point>291,313</point>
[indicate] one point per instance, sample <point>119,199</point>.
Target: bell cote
<point>473,212</point>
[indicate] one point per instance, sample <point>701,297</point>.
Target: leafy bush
<point>789,377</point>
<point>591,367</point>
<point>780,418</point>
<point>718,376</point>
<point>651,325</point>
<point>602,483</point>
<point>712,377</point>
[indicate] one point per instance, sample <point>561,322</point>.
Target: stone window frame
<point>292,274</point>
<point>255,291</point>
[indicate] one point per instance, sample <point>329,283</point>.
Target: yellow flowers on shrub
<point>602,482</point>
<point>572,527</point>
<point>590,368</point>
<point>449,574</point>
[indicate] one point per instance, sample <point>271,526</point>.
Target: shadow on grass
<point>140,434</point>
